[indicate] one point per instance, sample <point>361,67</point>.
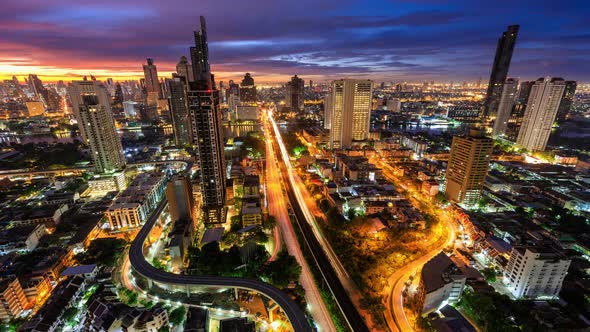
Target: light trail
<point>278,208</point>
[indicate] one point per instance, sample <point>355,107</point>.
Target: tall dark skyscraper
<point>517,114</point>
<point>205,115</point>
<point>178,104</point>
<point>499,72</point>
<point>183,68</point>
<point>248,89</point>
<point>566,100</point>
<point>294,93</point>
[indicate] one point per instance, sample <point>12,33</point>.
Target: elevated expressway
<point>192,283</point>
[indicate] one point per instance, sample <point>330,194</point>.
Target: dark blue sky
<point>383,40</point>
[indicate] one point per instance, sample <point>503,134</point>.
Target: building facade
<point>468,167</point>
<point>540,113</point>
<point>507,102</point>
<point>499,72</point>
<point>294,97</point>
<point>351,112</point>
<point>535,272</point>
<point>441,282</point>
<point>205,115</point>
<point>92,109</point>
<point>178,104</point>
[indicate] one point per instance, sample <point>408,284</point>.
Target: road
<point>326,260</point>
<point>278,207</point>
<point>137,260</point>
<point>395,314</point>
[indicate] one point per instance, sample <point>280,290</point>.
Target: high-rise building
<point>178,104</point>
<point>294,97</point>
<point>92,108</point>
<point>328,110</point>
<point>541,110</point>
<point>150,72</point>
<point>248,89</point>
<point>351,112</point>
<point>468,167</point>
<point>505,107</point>
<point>179,193</point>
<point>566,100</point>
<point>184,68</point>
<point>205,116</point>
<point>499,72</point>
<point>535,272</point>
<point>515,120</point>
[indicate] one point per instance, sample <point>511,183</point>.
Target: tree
<point>177,316</point>
<point>282,270</point>
<point>270,222</point>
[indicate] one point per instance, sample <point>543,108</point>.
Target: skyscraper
<point>92,108</point>
<point>499,72</point>
<point>248,89</point>
<point>152,87</point>
<point>205,115</point>
<point>178,104</point>
<point>468,167</point>
<point>541,110</point>
<point>566,100</point>
<point>505,107</point>
<point>351,112</point>
<point>294,93</point>
<point>184,68</point>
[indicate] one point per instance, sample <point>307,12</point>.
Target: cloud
<point>402,40</point>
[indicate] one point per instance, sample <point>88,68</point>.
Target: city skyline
<point>382,41</point>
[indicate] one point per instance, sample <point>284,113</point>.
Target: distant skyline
<point>275,39</point>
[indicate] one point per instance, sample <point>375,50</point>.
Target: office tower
<point>505,107</point>
<point>118,98</point>
<point>90,101</point>
<point>179,194</point>
<point>468,167</point>
<point>566,100</point>
<point>499,72</point>
<point>178,104</point>
<point>248,89</point>
<point>540,113</point>
<point>205,116</point>
<point>234,88</point>
<point>183,68</point>
<point>48,97</point>
<point>535,272</point>
<point>294,94</point>
<point>351,112</point>
<point>150,73</point>
<point>328,110</point>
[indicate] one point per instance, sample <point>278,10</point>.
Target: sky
<point>384,40</point>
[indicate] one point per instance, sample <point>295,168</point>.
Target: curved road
<point>296,316</point>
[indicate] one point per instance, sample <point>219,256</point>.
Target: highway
<point>139,264</point>
<point>326,260</point>
<point>278,208</point>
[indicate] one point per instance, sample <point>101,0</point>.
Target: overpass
<point>185,283</point>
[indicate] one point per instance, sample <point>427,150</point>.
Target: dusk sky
<point>316,39</point>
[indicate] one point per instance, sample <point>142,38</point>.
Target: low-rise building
<point>21,239</point>
<point>12,299</point>
<point>133,206</point>
<point>441,282</point>
<point>251,213</point>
